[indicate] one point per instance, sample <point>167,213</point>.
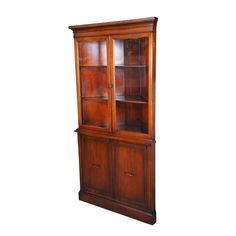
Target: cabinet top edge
<point>115,23</point>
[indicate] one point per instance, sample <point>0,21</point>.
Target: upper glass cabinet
<point>114,83</point>
<point>93,74</point>
<point>130,59</point>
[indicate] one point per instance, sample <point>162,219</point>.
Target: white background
<point>196,118</point>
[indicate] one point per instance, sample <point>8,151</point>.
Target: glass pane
<point>93,82</point>
<point>131,78</point>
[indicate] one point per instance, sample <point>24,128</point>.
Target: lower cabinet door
<point>96,174</point>
<point>129,163</point>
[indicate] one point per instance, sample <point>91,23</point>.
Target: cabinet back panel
<point>132,117</point>
<point>92,53</point>
<point>93,81</point>
<point>95,112</point>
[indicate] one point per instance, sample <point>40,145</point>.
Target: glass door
<point>131,70</point>
<point>93,83</point>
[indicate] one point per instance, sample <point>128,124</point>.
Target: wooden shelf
<point>102,98</point>
<point>131,66</point>
<point>124,66</point>
<point>92,66</point>
<point>131,99</point>
<point>127,99</point>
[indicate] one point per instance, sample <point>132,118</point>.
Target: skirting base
<point>137,214</point>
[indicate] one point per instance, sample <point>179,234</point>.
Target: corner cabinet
<point>115,80</point>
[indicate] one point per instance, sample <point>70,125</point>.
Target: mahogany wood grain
<point>94,81</point>
<point>92,53</point>
<point>130,173</point>
<point>96,165</point>
<point>103,134</point>
<point>116,27</point>
<point>95,112</point>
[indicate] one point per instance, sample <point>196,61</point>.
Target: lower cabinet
<point>118,176</point>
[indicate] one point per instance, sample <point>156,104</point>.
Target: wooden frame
<point>117,164</point>
<point>150,79</point>
<point>78,81</point>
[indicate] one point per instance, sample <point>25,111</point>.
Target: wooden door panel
<point>96,164</point>
<point>130,173</point>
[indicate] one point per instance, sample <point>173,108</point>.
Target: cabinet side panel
<point>151,177</point>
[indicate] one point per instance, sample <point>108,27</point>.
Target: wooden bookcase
<point>115,78</point>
